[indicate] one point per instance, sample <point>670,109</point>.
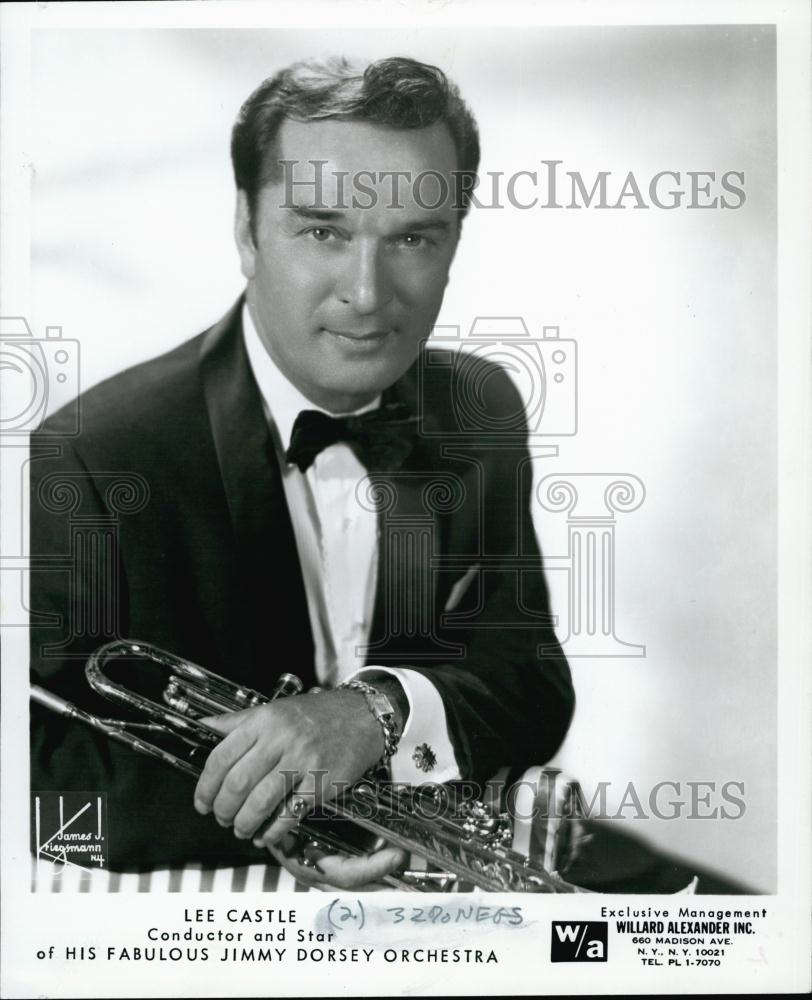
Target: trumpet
<point>471,843</point>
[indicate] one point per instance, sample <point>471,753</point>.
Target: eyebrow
<point>422,227</point>
<point>318,214</point>
<point>333,215</point>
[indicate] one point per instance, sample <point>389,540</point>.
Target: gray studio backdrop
<point>673,313</point>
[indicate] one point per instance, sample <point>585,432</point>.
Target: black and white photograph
<point>405,489</point>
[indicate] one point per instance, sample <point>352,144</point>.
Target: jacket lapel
<point>413,535</point>
<point>272,596</point>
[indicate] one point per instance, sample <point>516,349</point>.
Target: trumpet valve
<point>175,700</point>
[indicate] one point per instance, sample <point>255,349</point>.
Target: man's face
<point>343,296</point>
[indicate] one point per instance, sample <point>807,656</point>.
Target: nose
<point>365,282</point>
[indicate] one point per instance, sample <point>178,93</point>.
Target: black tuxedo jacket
<point>174,485</point>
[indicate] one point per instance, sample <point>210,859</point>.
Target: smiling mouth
<point>354,337</point>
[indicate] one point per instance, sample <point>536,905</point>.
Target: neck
<point>337,404</point>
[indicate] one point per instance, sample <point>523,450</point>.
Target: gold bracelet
<point>381,707</point>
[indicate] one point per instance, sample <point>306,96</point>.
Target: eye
<point>413,240</point>
<point>320,233</point>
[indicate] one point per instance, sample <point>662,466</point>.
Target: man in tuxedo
<point>309,499</point>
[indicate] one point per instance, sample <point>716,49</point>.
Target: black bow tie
<point>381,439</point>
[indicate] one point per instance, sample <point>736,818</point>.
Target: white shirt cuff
<point>425,736</point>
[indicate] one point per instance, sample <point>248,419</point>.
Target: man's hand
<point>317,744</point>
<point>336,871</point>
<point>308,748</point>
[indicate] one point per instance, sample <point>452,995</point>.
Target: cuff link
<point>424,757</point>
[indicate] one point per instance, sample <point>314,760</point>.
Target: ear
<point>244,236</point>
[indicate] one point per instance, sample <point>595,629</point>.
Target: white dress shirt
<point>337,541</point>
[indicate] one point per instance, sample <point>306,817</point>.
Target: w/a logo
<point>584,942</point>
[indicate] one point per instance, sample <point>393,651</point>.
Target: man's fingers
<point>335,870</point>
<point>219,763</point>
<point>289,860</point>
<point>270,792</point>
<point>227,722</point>
<point>298,803</point>
<point>355,873</point>
<point>240,782</point>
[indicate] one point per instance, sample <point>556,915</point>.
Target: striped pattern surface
<point>49,877</point>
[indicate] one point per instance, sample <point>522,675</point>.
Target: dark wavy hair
<point>398,92</point>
